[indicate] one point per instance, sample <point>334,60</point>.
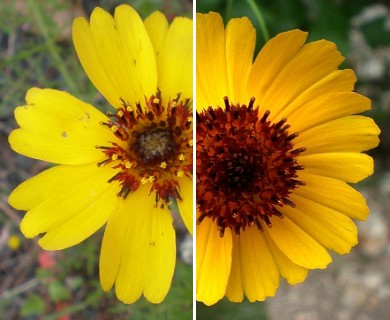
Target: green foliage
<point>321,18</point>
<point>34,305</point>
<point>243,311</point>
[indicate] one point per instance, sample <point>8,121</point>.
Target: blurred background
<point>36,50</point>
<point>354,286</point>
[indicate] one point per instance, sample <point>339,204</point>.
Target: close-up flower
<point>278,142</point>
<point>125,169</point>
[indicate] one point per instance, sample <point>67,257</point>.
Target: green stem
<point>51,46</point>
<point>228,10</point>
<point>259,18</point>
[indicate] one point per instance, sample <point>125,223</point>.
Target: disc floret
<point>246,166</point>
<point>152,144</point>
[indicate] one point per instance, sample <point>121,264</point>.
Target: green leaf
<point>34,305</point>
<point>58,292</point>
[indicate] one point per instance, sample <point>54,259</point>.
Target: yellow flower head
<point>14,242</point>
<point>277,143</point>
<point>109,168</point>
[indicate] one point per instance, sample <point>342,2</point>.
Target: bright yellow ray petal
<point>234,290</point>
<point>113,247</point>
<point>325,108</point>
<point>211,71</point>
<point>334,194</point>
<point>240,45</point>
<point>161,256</point>
<point>311,63</point>
<point>90,60</point>
<point>186,205</point>
<point>47,184</point>
<point>213,262</point>
<point>271,60</point>
<point>56,127</point>
<point>290,271</point>
<point>260,275</point>
<point>123,62</point>
<point>297,245</point>
<point>57,209</point>
<point>347,134</point>
<point>137,63</point>
<point>349,167</point>
<point>338,81</point>
<point>157,26</point>
<point>86,221</point>
<point>175,60</point>
<point>148,255</point>
<point>332,229</point>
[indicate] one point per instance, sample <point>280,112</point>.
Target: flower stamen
<point>152,146</point>
<point>246,166</point>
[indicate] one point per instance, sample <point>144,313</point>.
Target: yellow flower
<point>144,69</point>
<point>278,142</point>
<point>14,242</point>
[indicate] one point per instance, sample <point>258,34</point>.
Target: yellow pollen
<point>163,165</point>
<point>128,165</point>
<point>189,119</point>
<point>156,100</point>
<point>144,180</point>
<point>114,128</point>
<point>120,113</point>
<point>190,142</point>
<point>114,157</point>
<point>179,173</point>
<point>151,179</point>
<point>181,157</point>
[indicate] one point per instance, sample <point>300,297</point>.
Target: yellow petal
<point>213,262</point>
<point>161,256</point>
<point>78,196</point>
<point>86,221</point>
<point>240,45</point>
<point>186,204</point>
<point>310,64</point>
<point>175,60</point>
<point>47,184</point>
<point>137,53</point>
<point>59,128</point>
<point>87,52</point>
<point>211,74</point>
<point>157,26</point>
<point>124,51</point>
<point>297,245</point>
<point>138,249</point>
<point>334,194</point>
<point>234,290</point>
<point>325,108</point>
<point>349,167</point>
<point>290,271</point>
<point>331,228</point>
<point>339,81</point>
<point>272,58</point>
<point>347,134</point>
<point>260,275</point>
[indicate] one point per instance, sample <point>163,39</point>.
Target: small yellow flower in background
<point>14,242</point>
<point>144,70</point>
<point>278,142</point>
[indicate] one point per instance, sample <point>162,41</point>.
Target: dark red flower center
<point>246,166</point>
<point>151,145</point>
